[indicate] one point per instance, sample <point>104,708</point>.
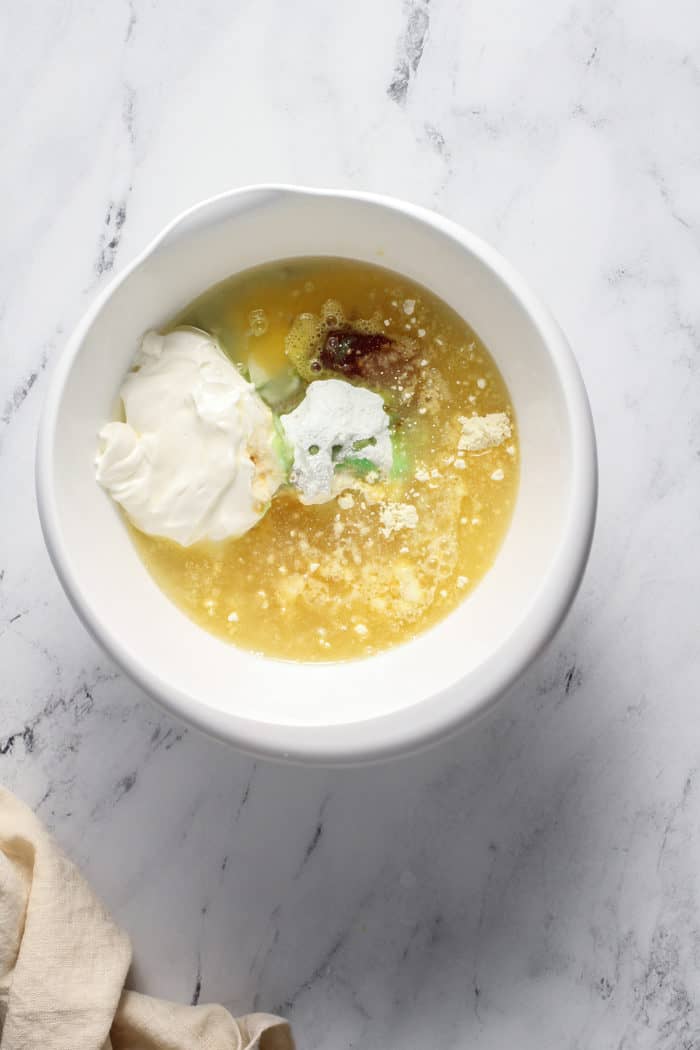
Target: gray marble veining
<point>535,882</point>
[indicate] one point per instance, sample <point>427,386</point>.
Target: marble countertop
<point>535,882</point>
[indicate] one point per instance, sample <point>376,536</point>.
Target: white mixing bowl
<point>395,701</point>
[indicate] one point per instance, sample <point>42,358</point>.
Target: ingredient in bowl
<point>336,426</point>
<point>482,432</point>
<point>198,456</point>
<point>398,453</point>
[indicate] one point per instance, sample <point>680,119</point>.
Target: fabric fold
<point>63,963</point>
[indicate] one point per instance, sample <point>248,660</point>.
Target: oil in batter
<point>387,557</point>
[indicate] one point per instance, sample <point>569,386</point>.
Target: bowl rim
<point>405,730</point>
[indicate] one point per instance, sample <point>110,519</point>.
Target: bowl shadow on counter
<point>396,897</point>
<point>402,883</point>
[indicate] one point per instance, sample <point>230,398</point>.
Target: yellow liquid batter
<point>336,581</point>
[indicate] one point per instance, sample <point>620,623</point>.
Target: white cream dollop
<point>334,422</point>
<point>196,458</point>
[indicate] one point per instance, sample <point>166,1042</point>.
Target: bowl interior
<point>106,578</point>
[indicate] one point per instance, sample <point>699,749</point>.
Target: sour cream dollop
<point>198,457</point>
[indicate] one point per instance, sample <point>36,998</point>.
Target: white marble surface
<point>535,883</point>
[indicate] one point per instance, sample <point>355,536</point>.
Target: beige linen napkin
<point>63,963</point>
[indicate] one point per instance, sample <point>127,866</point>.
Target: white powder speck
<point>232,617</point>
<point>462,581</point>
<point>397,516</point>
<point>360,629</point>
<point>482,432</point>
<point>497,475</point>
<point>409,306</point>
<point>481,383</point>
<point>421,333</point>
<point>459,464</point>
<point>422,474</point>
<point>346,501</point>
<point>314,566</point>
